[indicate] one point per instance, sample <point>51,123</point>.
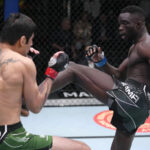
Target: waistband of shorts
<point>11,127</point>
<point>138,84</point>
<point>132,81</point>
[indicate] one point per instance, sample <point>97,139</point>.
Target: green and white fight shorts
<point>15,137</point>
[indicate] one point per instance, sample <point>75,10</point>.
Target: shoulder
<point>143,48</point>
<point>22,63</point>
<point>23,59</point>
<point>11,57</point>
<point>13,65</point>
<point>28,64</point>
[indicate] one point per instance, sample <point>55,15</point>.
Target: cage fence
<point>72,25</point>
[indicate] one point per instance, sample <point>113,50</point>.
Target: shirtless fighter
<point>124,89</point>
<point>18,81</point>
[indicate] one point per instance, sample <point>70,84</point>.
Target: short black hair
<point>15,26</point>
<point>133,9</point>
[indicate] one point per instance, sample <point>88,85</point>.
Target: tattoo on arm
<point>7,61</point>
<point>45,87</point>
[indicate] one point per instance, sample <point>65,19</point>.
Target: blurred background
<point>71,25</point>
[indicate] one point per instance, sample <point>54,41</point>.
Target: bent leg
<point>92,80</point>
<point>122,141</point>
<point>68,144</point>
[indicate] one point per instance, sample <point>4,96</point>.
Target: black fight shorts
<point>130,104</point>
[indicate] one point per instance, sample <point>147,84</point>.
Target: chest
<point>135,58</point>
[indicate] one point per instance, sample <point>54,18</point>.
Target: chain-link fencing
<point>71,25</point>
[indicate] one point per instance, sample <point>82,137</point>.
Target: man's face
<point>127,26</point>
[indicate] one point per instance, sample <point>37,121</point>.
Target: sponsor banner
<point>104,119</point>
<point>71,94</point>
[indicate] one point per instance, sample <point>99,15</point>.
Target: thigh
<point>60,143</point>
<point>122,141</point>
<point>20,139</point>
<point>93,80</point>
<point>94,75</point>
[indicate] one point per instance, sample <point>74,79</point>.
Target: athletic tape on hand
<point>101,63</point>
<point>51,73</point>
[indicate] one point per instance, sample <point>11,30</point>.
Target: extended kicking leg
<point>92,80</point>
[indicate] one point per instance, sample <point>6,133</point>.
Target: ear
<point>139,24</point>
<point>23,40</point>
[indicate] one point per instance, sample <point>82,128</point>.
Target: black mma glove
<point>91,51</point>
<point>58,62</point>
<point>95,55</point>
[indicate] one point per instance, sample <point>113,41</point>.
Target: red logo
<point>104,119</point>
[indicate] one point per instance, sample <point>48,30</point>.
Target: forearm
<point>44,90</point>
<point>35,101</point>
<point>109,69</point>
<point>56,65</point>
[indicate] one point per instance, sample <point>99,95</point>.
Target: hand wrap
<point>102,62</point>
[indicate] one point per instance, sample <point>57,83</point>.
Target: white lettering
<point>83,94</point>
<point>131,94</point>
<point>124,84</point>
<point>42,136</point>
<point>73,94</point>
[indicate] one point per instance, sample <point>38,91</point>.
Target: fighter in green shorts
<point>18,83</point>
<point>17,138</point>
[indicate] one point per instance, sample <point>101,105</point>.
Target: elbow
<point>117,74</point>
<point>34,105</point>
<point>35,111</point>
<point>122,76</point>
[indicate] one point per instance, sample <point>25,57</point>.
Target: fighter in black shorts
<point>124,89</point>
